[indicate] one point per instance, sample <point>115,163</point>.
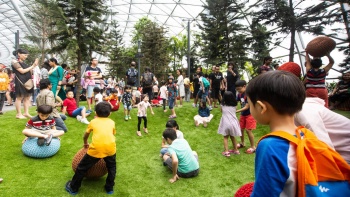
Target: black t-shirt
<point>231,80</point>
<point>216,79</point>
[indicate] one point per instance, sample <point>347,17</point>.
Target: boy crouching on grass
<point>103,146</point>
<point>274,98</point>
<point>180,158</point>
<point>42,126</point>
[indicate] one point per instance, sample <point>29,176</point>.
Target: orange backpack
<point>321,171</point>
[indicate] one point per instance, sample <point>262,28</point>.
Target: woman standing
<point>180,85</point>
<point>23,82</point>
<point>56,77</point>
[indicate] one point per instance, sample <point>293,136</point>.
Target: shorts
<point>90,90</point>
<point>169,163</point>
<point>77,112</point>
<point>203,96</point>
<point>215,93</point>
<point>127,107</point>
<point>247,122</point>
<point>171,102</point>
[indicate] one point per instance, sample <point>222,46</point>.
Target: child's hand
<point>175,178</point>
<point>86,145</point>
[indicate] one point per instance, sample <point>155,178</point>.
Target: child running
<point>229,125</point>
<point>103,146</point>
<point>127,102</point>
<point>42,126</point>
<point>171,124</point>
<point>171,88</point>
<point>142,113</point>
<point>203,116</point>
<point>246,120</point>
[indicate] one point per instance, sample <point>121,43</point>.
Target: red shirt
<point>70,104</point>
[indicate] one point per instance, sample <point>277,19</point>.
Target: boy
<point>246,120</point>
<point>70,106</point>
<point>4,84</point>
<point>274,98</point>
<point>163,94</point>
<point>98,95</point>
<point>42,126</point>
<point>103,145</point>
<point>113,100</point>
<point>127,102</point>
<point>180,158</point>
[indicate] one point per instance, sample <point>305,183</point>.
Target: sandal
<point>235,152</point>
<point>138,133</point>
<point>240,145</point>
<point>145,130</point>
<point>226,154</point>
<point>172,116</point>
<point>250,151</point>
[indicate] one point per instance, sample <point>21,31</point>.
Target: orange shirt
<point>4,82</point>
<point>111,97</point>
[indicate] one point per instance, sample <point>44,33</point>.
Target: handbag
<point>27,85</point>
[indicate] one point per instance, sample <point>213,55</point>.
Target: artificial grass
<point>140,171</point>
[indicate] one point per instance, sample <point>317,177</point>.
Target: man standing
<point>232,77</point>
<point>147,80</point>
<point>96,73</point>
<point>131,75</point>
<point>215,84</point>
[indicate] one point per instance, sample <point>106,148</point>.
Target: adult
<point>24,86</point>
<point>266,65</point>
<point>180,85</point>
<point>122,84</point>
<point>44,71</point>
<point>46,97</point>
<point>96,74</point>
<point>131,75</point>
<point>36,80</point>
<point>187,89</point>
<point>196,85</point>
<point>215,85</point>
<point>341,92</point>
<point>56,77</point>
<point>232,77</point>
<point>147,79</point>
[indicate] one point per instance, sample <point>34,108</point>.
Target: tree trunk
<point>292,33</point>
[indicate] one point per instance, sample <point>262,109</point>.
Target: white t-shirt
<point>98,98</point>
<point>142,108</point>
<point>163,94</point>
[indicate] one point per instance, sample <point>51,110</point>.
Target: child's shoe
<point>145,130</point>
<point>235,152</point>
<point>193,105</point>
<point>129,117</point>
<point>138,133</point>
<point>85,121</point>
<point>210,108</point>
<point>48,140</point>
<point>226,154</point>
<point>126,118</point>
<point>41,141</point>
<point>69,189</point>
<point>79,118</point>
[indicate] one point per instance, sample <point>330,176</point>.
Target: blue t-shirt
<point>183,151</point>
<point>275,168</point>
<point>203,112</point>
<point>243,100</point>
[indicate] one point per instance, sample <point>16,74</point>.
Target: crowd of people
<point>263,100</point>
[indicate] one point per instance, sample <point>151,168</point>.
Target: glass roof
<point>172,14</point>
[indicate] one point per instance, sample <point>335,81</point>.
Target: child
<point>89,80</point>
<point>103,146</point>
<point>171,89</point>
<point>163,94</point>
<point>181,159</point>
<point>127,101</point>
<point>229,125</point>
<point>203,116</point>
<point>171,124</point>
<point>70,106</point>
<point>246,120</point>
<point>98,95</point>
<point>136,95</point>
<point>271,104</point>
<point>155,90</point>
<point>42,126</point>
<point>119,91</point>
<point>316,77</point>
<point>113,100</point>
<point>4,84</point>
<point>142,113</point>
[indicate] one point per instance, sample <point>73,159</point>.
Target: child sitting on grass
<point>70,106</point>
<point>246,120</point>
<point>229,125</point>
<point>142,113</point>
<point>112,99</point>
<point>103,146</point>
<point>42,126</point>
<point>203,116</point>
<point>171,124</point>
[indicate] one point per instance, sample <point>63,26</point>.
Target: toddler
<point>142,113</point>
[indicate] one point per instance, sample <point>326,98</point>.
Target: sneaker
<point>34,104</point>
<point>69,189</point>
<point>85,121</point>
<point>41,141</point>
<point>126,118</point>
<point>79,118</point>
<point>210,108</point>
<point>110,192</point>
<point>129,117</point>
<point>193,105</point>
<point>48,140</point>
<point>89,111</point>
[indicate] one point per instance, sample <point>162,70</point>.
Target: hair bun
<point>320,46</point>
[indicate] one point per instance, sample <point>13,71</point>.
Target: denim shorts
<point>171,102</point>
<point>127,107</point>
<point>77,112</point>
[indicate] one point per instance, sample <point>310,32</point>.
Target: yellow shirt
<point>4,81</point>
<point>103,139</point>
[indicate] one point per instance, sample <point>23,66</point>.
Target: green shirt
<point>183,151</point>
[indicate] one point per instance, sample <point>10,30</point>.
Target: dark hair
<point>92,59</point>
<point>231,63</point>
<point>96,89</point>
<point>229,99</point>
<point>204,104</point>
<point>316,63</point>
<point>127,87</point>
<point>240,83</point>
<point>281,89</point>
<point>45,109</point>
<point>172,124</point>
<point>46,65</point>
<point>169,133</point>
<point>69,91</point>
<point>44,83</point>
<point>147,69</point>
<point>9,71</point>
<point>180,71</point>
<point>199,68</point>
<point>267,58</point>
<point>64,66</point>
<point>133,63</point>
<point>103,109</point>
<point>143,96</point>
<point>53,60</point>
<point>114,91</point>
<point>22,51</point>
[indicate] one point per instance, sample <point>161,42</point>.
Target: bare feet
<point>20,117</point>
<point>27,115</point>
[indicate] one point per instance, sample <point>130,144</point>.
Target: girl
<point>171,89</point>
<point>171,124</point>
<point>142,113</point>
<point>266,66</point>
<point>203,116</point>
<point>229,125</point>
<point>163,94</point>
<point>4,84</point>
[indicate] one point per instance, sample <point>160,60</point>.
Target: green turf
<point>139,169</point>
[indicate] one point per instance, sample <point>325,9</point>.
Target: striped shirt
<point>316,79</point>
